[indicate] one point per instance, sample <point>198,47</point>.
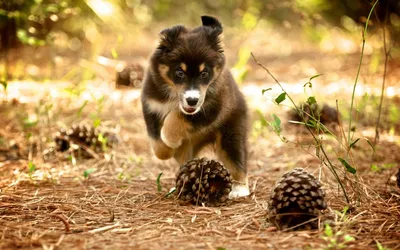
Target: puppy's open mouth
<point>189,110</point>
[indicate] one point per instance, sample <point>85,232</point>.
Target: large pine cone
<point>203,181</point>
<point>83,136</point>
<point>296,198</point>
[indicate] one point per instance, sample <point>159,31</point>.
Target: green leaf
<point>31,167</point>
<point>262,119</point>
<point>280,98</point>
<point>114,53</point>
<point>348,238</point>
<point>22,35</point>
<point>265,90</point>
<point>276,124</point>
<point>328,230</point>
<point>375,168</point>
<point>315,76</point>
<point>96,122</point>
<point>87,172</point>
<point>104,140</point>
<point>311,100</point>
<point>345,210</point>
<point>354,143</point>
<point>82,107</point>
<point>4,84</point>
<point>159,187</point>
<point>379,245</point>
<point>370,144</point>
<point>348,167</point>
<point>30,122</point>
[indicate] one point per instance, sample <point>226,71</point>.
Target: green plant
<point>311,120</point>
<point>318,145</point>
<point>349,138</point>
<point>335,240</point>
<point>379,168</point>
<point>87,172</point>
<point>31,169</point>
<point>4,83</point>
<point>158,182</point>
<point>380,247</point>
<point>103,140</point>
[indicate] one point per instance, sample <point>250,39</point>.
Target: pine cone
<point>83,136</point>
<point>296,198</point>
<point>130,75</point>
<point>203,181</point>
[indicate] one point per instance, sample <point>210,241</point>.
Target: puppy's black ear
<point>213,23</point>
<point>169,36</point>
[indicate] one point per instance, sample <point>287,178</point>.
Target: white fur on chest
<point>160,108</point>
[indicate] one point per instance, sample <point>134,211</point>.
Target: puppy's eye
<point>179,73</point>
<point>204,75</point>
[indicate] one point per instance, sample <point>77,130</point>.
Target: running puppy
<point>190,100</point>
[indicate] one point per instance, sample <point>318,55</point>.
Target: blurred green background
<point>44,39</point>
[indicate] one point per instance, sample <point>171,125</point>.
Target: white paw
<point>239,190</point>
<point>167,142</point>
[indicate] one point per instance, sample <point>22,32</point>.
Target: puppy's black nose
<point>192,101</point>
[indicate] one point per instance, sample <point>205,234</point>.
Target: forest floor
<point>112,201</point>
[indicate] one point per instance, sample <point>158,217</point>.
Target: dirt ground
<point>49,203</point>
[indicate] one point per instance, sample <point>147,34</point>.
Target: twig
<point>376,139</point>
<point>122,230</point>
<point>64,221</point>
<point>104,229</point>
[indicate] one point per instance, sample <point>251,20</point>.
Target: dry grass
<point>102,213</point>
<point>119,207</point>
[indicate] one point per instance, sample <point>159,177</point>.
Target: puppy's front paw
<point>239,190</point>
<point>172,140</point>
<point>174,130</point>
<point>162,151</point>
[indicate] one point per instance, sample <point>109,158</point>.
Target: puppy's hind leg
<point>231,149</point>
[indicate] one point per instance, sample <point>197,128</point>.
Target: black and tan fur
<point>190,100</point>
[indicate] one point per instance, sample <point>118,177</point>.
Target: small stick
<point>60,240</point>
<point>198,212</point>
<point>103,229</point>
<point>64,221</point>
<point>121,230</point>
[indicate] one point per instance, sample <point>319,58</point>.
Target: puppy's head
<point>189,61</point>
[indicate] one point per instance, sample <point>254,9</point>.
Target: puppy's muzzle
<point>191,102</point>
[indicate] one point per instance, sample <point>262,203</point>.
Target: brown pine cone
<point>83,136</point>
<point>296,198</point>
<point>203,181</point>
